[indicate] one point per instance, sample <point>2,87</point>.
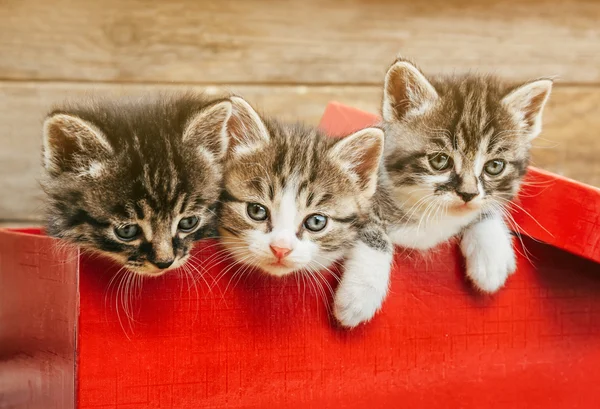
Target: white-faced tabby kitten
<point>136,180</point>
<point>456,151</point>
<point>293,198</point>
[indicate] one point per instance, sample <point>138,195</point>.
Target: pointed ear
<point>527,102</point>
<point>72,144</point>
<point>246,129</point>
<point>207,130</point>
<point>360,154</point>
<point>406,91</point>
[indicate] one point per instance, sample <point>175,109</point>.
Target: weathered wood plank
<point>23,106</point>
<point>291,42</point>
<point>18,224</point>
<point>569,144</point>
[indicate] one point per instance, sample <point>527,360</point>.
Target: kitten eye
<point>440,161</point>
<point>257,212</point>
<point>315,222</point>
<point>127,232</point>
<point>188,224</point>
<point>494,167</point>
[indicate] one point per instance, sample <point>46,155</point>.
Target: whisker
<point>512,203</point>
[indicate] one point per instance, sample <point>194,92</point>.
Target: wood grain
<point>569,144</point>
<point>294,42</point>
<point>23,106</point>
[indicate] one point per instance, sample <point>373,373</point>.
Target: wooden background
<point>290,58</point>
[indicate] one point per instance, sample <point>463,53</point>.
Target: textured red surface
<point>258,342</point>
<point>266,343</point>
<point>38,317</point>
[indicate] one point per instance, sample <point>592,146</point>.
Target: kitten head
<point>294,198</point>
<point>135,180</point>
<point>458,144</point>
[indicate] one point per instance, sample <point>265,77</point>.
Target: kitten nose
<point>280,252</point>
<point>163,264</point>
<point>466,196</point>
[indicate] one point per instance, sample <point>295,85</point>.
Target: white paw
<point>363,287</point>
<point>356,303</point>
<point>489,255</point>
<point>489,272</point>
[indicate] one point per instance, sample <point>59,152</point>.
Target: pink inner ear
<point>533,109</point>
<point>397,90</point>
<point>243,130</point>
<point>408,89</point>
<point>368,163</point>
<point>234,127</point>
<point>63,147</point>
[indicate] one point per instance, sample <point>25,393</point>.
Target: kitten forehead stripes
<point>150,176</point>
<point>295,173</point>
<point>473,119</point>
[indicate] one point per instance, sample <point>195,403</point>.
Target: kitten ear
<point>527,102</point>
<point>246,129</point>
<point>208,129</point>
<point>406,91</point>
<point>360,153</point>
<point>72,144</point>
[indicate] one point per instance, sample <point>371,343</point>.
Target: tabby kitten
<point>294,199</point>
<point>135,180</point>
<point>456,151</point>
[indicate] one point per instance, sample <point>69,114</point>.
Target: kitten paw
<point>490,273</point>
<point>489,254</point>
<point>355,304</point>
<point>364,285</point>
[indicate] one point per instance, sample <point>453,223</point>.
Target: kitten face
<point>135,180</point>
<point>294,199</point>
<point>458,146</point>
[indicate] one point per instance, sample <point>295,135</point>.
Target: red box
<point>249,341</point>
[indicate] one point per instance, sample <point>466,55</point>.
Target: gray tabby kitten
<point>294,199</point>
<point>456,151</point>
<point>135,180</point>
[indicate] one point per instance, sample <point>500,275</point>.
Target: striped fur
<point>445,139</point>
<point>473,119</point>
<point>294,171</point>
<point>148,162</point>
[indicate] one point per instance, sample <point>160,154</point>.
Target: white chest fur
<point>429,234</point>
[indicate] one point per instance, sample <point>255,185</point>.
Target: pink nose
<point>280,252</point>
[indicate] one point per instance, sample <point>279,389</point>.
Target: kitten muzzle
<point>280,252</point>
<point>163,264</point>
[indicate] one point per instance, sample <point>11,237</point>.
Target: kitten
<point>456,151</point>
<point>293,198</point>
<point>135,180</point>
